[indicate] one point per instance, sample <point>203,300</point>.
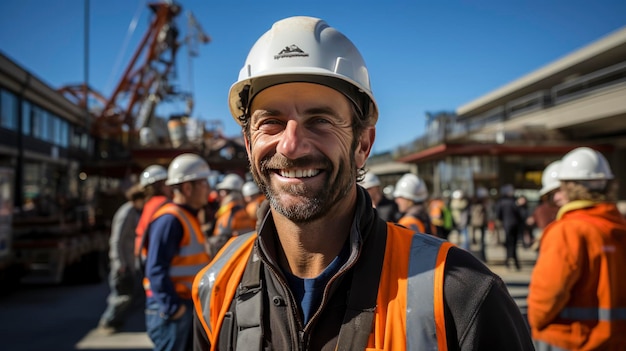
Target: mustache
<point>278,161</point>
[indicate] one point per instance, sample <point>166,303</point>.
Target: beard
<point>312,202</point>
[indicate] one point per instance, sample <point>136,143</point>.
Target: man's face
<point>302,151</point>
<point>403,204</point>
<point>199,193</point>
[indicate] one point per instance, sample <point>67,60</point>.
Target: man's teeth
<point>299,173</point>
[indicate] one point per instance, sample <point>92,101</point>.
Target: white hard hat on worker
<point>550,178</point>
<point>587,167</point>
<point>152,174</point>
<point>303,49</point>
<point>411,187</point>
<point>231,182</point>
<point>187,168</point>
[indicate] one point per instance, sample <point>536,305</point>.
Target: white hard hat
<point>584,163</point>
<point>370,180</point>
<point>457,194</point>
<point>152,174</point>
<point>250,188</point>
<point>549,178</point>
<point>411,187</point>
<point>231,182</point>
<point>186,168</point>
<point>303,49</point>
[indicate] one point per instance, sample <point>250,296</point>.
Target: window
<point>26,117</point>
<point>8,110</point>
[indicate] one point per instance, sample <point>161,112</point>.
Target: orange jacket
<point>232,219</point>
<point>217,283</point>
<point>577,293</point>
<point>150,207</point>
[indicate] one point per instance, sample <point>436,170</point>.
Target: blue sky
<point>422,55</point>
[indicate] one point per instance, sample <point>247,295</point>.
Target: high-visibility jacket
<point>577,292</point>
<point>406,301</point>
<point>191,256</point>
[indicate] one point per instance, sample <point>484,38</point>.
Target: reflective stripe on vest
<point>205,280</point>
<point>424,305</point>
<point>191,256</point>
<point>593,314</point>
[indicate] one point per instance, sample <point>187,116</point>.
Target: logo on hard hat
<point>290,51</point>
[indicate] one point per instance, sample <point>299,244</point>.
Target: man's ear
<point>363,149</point>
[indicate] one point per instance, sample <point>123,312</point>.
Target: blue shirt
<point>309,292</point>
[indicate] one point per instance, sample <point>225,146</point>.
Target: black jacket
<point>479,312</point>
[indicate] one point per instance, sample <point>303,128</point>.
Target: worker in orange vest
<point>324,272</point>
<point>175,253</point>
<point>231,218</point>
<point>411,195</point>
<point>577,292</point>
<point>253,198</point>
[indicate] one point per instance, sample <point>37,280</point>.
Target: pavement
<point>133,336</point>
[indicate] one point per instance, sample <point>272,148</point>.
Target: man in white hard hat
<point>386,208</point>
<point>551,199</point>
<point>411,195</point>
<point>253,197</point>
<point>324,272</point>
<point>577,292</point>
<point>175,253</point>
<point>231,219</point>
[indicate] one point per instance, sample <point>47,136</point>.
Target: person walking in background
<point>123,277</point>
<point>386,208</point>
<point>508,214</point>
<point>478,219</point>
<point>152,179</point>
<point>459,207</point>
<point>324,271</point>
<point>551,199</point>
<point>411,195</point>
<point>176,252</point>
<point>525,231</point>
<point>577,292</point>
<point>440,217</point>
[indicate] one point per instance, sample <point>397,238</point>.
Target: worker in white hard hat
<point>231,219</point>
<point>551,198</point>
<point>324,272</point>
<point>577,292</point>
<point>411,195</point>
<point>175,253</point>
<point>253,198</point>
<point>152,179</point>
<point>386,208</point>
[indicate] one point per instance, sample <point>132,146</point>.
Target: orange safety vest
<point>577,295</point>
<point>410,302</point>
<point>253,206</point>
<point>232,218</point>
<point>191,256</point>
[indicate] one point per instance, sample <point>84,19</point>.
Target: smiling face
<point>302,151</point>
